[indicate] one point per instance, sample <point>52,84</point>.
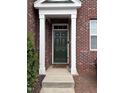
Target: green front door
<point>60,46</point>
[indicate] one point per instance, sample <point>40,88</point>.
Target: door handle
<point>68,42</point>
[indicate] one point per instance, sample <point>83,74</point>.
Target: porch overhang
<point>39,4</point>
<point>57,9</point>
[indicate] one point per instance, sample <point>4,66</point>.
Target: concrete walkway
<point>58,80</point>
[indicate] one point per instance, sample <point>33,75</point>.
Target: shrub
<point>32,62</point>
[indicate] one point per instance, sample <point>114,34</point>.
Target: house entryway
<point>48,9</point>
<point>60,43</point>
<point>57,80</point>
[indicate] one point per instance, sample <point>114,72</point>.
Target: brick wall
<point>85,58</point>
<point>33,21</point>
<point>48,46</point>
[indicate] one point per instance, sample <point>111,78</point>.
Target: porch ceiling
<point>58,16</point>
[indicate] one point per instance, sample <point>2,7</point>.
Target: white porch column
<point>73,44</point>
<point>42,45</point>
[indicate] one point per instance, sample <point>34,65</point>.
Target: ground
<point>86,83</point>
<point>38,84</point>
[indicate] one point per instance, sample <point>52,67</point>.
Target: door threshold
<point>60,66</point>
<point>60,63</point>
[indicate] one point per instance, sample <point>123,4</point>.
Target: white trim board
<point>40,5</point>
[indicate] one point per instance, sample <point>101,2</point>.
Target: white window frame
<point>91,34</point>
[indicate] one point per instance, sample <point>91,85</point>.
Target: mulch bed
<point>38,84</point>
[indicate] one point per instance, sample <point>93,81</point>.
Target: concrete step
<point>58,78</point>
<point>57,90</point>
<point>58,82</point>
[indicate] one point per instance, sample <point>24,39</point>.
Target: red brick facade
<point>48,52</point>
<point>33,21</point>
<point>86,59</point>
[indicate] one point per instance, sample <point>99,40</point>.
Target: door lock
<point>68,42</point>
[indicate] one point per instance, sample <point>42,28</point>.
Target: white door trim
<point>53,41</point>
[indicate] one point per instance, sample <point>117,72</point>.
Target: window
<point>93,35</point>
